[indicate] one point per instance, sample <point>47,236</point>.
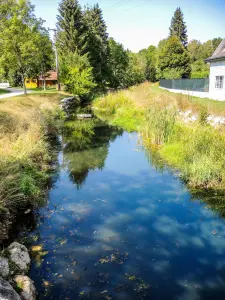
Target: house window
<point>219,82</point>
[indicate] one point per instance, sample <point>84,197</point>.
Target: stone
<point>18,254</point>
<point>6,221</point>
<point>7,292</point>
<point>4,267</point>
<point>28,291</point>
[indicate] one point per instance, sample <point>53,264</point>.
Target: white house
<point>217,73</point>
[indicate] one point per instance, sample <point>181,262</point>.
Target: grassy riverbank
<point>26,123</point>
<point>195,149</point>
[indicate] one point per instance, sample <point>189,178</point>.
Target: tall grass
<point>196,150</point>
<point>25,123</point>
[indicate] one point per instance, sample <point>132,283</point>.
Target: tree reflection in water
<point>86,147</point>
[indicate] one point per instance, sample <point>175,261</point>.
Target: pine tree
<point>69,26</point>
<point>178,27</point>
<point>95,41</point>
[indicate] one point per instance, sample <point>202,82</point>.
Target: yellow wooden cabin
<point>31,83</point>
<point>51,81</point>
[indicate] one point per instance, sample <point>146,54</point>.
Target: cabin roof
<point>51,75</point>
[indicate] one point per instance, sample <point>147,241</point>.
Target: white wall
<point>217,68</point>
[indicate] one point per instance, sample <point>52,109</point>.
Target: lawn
<point>3,91</point>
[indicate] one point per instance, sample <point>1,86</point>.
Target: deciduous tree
<point>19,36</point>
<point>174,60</point>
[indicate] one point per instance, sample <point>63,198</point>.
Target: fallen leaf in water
<point>62,241</point>
<point>36,248</point>
<point>214,232</point>
<point>104,292</point>
<point>46,283</point>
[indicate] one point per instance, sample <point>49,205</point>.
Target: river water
<point>118,226</point>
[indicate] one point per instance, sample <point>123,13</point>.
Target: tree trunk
<point>44,84</point>
<point>24,85</point>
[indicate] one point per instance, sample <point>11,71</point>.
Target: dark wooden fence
<point>198,85</point>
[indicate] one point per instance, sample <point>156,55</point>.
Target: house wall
<point>217,68</point>
<point>49,83</point>
<point>31,83</point>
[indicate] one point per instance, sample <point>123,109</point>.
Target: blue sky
<point>140,23</point>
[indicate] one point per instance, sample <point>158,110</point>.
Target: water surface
<point>115,227</point>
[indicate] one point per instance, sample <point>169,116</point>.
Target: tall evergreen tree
<point>178,27</point>
<point>95,42</point>
<point>69,26</point>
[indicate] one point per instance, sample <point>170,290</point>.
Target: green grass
<point>4,91</point>
<point>196,150</point>
<point>41,90</point>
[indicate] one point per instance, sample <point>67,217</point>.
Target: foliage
<point>178,27</point>
<point>69,26</point>
<point>199,69</point>
<point>80,82</point>
<point>118,64</point>
<point>76,74</point>
<point>198,53</point>
<point>149,56</point>
<point>22,37</point>
<point>195,49</point>
<point>135,72</point>
<point>96,44</point>
<point>174,60</point>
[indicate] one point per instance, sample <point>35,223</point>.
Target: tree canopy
<point>174,60</point>
<point>25,47</point>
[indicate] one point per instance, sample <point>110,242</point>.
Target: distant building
<point>217,72</point>
<point>50,79</point>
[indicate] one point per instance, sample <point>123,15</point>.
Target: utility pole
<point>56,57</point>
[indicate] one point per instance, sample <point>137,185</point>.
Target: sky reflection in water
<point>119,229</point>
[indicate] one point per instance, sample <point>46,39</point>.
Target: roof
<point>51,75</point>
<point>219,53</point>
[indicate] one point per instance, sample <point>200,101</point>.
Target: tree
<point>216,42</point>
<point>21,35</point>
<point>174,60</point>
<point>199,69</point>
<point>135,73</point>
<point>76,74</point>
<point>207,49</point>
<point>69,26</point>
<point>151,64</point>
<point>178,27</point>
<point>45,56</point>
<point>118,63</point>
<point>195,49</point>
<point>96,44</point>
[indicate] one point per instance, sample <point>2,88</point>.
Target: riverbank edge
<point>15,281</point>
<point>42,171</point>
<point>191,148</point>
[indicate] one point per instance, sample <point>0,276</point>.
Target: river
<point>118,226</point>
